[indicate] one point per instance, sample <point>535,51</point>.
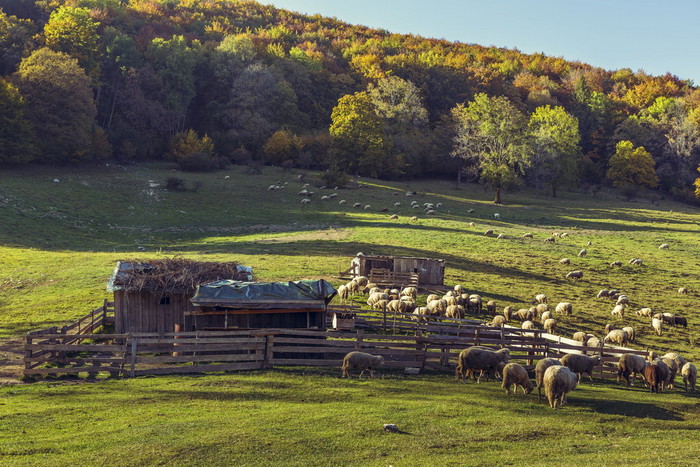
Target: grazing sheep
<point>361,361</point>
<point>471,224</point>
<point>540,298</point>
<point>663,246</point>
<point>609,327</point>
<point>375,297</point>
<point>343,293</point>
<point>541,308</point>
<point>636,261</point>
<point>491,307</point>
<point>645,312</point>
<point>652,375</point>
<point>470,211</point>
<point>414,218</point>
<point>680,361</point>
<point>582,336</point>
<point>540,368</point>
<point>480,359</point>
<point>397,306</point>
<point>619,310</point>
<point>528,325</point>
<point>474,304</point>
<point>362,281</point>
<point>437,307</point>
<point>515,375</point>
<point>565,261</point>
<point>575,275</point>
<point>342,201</point>
<point>680,321</point>
<point>357,205</point>
<point>616,264</point>
<point>410,292</point>
<point>549,325</point>
<point>631,334</point>
<point>656,323</point>
<point>528,235</point>
<point>545,316</point>
<point>524,314</point>
<point>690,375</point>
<point>550,240</point>
<point>580,364</point>
<point>508,313</point>
<point>488,233</point>
<point>582,253</point>
<point>603,294</point>
<point>616,336</point>
<point>558,382</point>
<point>380,305</point>
<point>622,300</point>
<point>394,216</point>
<point>500,236</point>
<point>683,290</point>
<point>455,311</point>
<point>564,308</point>
<point>668,318</point>
<point>630,364</point>
<point>593,342</point>
<point>458,289</point>
<point>367,207</point>
<point>498,321</point>
<point>305,201</point>
<point>665,372</point>
<point>496,215</point>
<point>431,297</point>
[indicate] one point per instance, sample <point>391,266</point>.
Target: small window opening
<point>165,301</point>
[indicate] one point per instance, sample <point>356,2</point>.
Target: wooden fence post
<point>358,341</point>
<point>134,345</point>
<point>269,351</point>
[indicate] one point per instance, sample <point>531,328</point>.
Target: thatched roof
<point>172,275</point>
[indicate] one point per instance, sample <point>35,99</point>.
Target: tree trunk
<point>497,200</point>
<point>459,177</point>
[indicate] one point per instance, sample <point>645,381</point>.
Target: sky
<point>654,36</point>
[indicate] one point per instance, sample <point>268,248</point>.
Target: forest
<point>208,83</point>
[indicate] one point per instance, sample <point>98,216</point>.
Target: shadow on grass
<point>630,409</point>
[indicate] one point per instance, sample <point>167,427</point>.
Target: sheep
<point>645,312</point>
<point>324,198</point>
<point>545,316</point>
<point>496,215</point>
<point>357,205</point>
<point>622,300</point>
<point>631,334</point>
<point>498,321</point>
<point>630,364</point>
<point>581,336</point>
<point>367,207</point>
<point>540,298</point>
<point>508,313</point>
<point>664,246</point>
<point>575,275</point>
<point>668,318</point>
<point>361,280</point>
<point>558,382</point>
<point>656,323</point>
<point>420,313</point>
<point>471,224</point>
<point>361,361</point>
<point>470,211</point>
<point>430,212</point>
<point>380,305</point>
<point>652,375</point>
<point>603,294</point>
<point>475,303</point>
<point>437,307</point>
<point>680,321</point>
<point>665,372</point>
<point>515,375</point>
<point>343,293</point>
<point>680,361</point>
<point>580,364</point>
<point>616,264</point>
<point>524,314</point>
<point>610,327</point>
<point>458,289</point>
<point>410,292</point>
<point>619,310</point>
<point>540,368</point>
<point>683,290</point>
<point>550,240</point>
<point>455,311</point>
<point>394,217</point>
<point>616,336</point>
<point>549,325</point>
<point>564,308</point>
<point>431,297</point>
<point>488,233</point>
<point>414,218</point>
<point>491,307</point>
<point>528,235</point>
<point>305,201</point>
<point>479,358</point>
<point>690,375</point>
<point>565,261</point>
<point>636,261</point>
<point>593,342</point>
<point>396,306</point>
<point>541,308</point>
<point>396,205</point>
<point>375,297</point>
<point>342,201</point>
<point>528,325</point>
<point>582,253</point>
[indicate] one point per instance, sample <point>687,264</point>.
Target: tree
<point>358,136</point>
<point>60,106</point>
<point>192,152</point>
<point>16,137</point>
<point>15,36</point>
<point>697,185</point>
<point>282,146</point>
<point>73,31</point>
<point>555,139</point>
<point>632,167</point>
<point>498,138</point>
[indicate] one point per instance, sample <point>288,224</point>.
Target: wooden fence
<point>432,345</point>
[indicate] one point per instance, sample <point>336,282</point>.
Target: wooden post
<point>178,328</point>
<point>360,336</point>
<point>269,351</point>
<point>133,357</point>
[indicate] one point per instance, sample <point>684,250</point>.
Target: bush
<point>175,184</point>
<point>335,178</point>
<point>194,153</point>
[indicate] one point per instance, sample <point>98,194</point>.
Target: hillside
<point>88,80</point>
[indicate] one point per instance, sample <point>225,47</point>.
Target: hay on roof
<point>174,275</point>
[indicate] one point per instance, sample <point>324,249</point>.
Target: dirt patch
<point>11,360</point>
<point>330,234</point>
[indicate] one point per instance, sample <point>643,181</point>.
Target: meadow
<point>63,230</point>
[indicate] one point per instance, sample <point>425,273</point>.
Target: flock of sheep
<point>557,376</point>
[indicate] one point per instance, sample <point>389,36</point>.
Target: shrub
<point>194,153</point>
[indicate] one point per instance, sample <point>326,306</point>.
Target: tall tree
<point>555,139</point>
<point>15,36</point>
<point>632,167</point>
<point>60,105</point>
<point>16,137</point>
<point>73,31</point>
<point>500,138</point>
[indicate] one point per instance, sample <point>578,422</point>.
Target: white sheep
<point>631,333</point>
<point>657,324</point>
<point>367,206</point>
<point>488,233</point>
<point>343,293</point>
<point>540,368</point>
<point>645,312</point>
<point>616,336</point>
<point>342,201</point>
<point>500,236</point>
<point>683,291</point>
<point>623,300</point>
<point>636,261</point>
<point>558,382</point>
<point>496,215</point>
<point>528,235</point>
<point>549,325</point>
<point>540,298</point>
<point>361,361</point>
<point>616,264</point>
<point>619,310</point>
<point>515,375</point>
<point>690,375</point>
<point>575,275</point>
<point>583,253</point>
<point>564,308</point>
<point>498,321</point>
<point>664,246</point>
<point>565,261</point>
<point>410,292</point>
<point>394,217</point>
<point>357,205</point>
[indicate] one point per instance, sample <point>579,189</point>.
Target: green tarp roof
<point>239,294</point>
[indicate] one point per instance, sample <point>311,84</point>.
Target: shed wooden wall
<point>143,312</point>
<point>431,271</point>
<point>258,320</point>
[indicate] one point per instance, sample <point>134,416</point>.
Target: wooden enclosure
<point>397,270</point>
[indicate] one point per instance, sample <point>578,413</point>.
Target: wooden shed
<point>228,304</point>
<point>397,270</point>
<point>154,295</point>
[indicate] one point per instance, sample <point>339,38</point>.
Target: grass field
<point>59,242</point>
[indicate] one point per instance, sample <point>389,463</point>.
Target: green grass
<point>59,243</point>
<point>310,417</point>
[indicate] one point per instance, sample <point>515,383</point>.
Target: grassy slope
<point>60,241</point>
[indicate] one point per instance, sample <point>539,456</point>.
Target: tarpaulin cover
<point>239,294</point>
